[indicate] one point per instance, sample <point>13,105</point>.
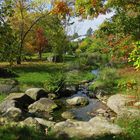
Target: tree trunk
<point>40,55</point>
<point>19,53</point>
<point>19,60</point>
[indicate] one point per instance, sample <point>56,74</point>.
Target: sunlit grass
<point>131,79</point>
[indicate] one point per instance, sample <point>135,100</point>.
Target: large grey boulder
<point>13,113</point>
<point>117,102</point>
<point>14,104</point>
<point>20,97</point>
<point>68,90</point>
<point>78,101</point>
<point>31,122</point>
<point>8,86</point>
<point>44,122</point>
<point>44,104</point>
<point>5,105</point>
<point>68,115</point>
<point>36,93</point>
<point>42,107</point>
<point>23,99</point>
<point>120,105</point>
<point>97,126</point>
<point>103,126</point>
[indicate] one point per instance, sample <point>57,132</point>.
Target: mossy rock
<point>8,86</point>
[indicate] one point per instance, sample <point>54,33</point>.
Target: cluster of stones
<point>34,108</point>
<point>30,108</point>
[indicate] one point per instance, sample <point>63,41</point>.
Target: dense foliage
<point>33,32</point>
<point>20,20</point>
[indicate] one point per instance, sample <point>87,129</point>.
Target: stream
<point>82,113</point>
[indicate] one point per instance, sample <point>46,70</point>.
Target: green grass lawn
<point>34,74</point>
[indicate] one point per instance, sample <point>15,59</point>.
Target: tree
<point>24,18</point>
<point>41,42</point>
<point>89,32</point>
<point>135,55</point>
<point>8,40</point>
<point>75,35</point>
<point>122,31</point>
<point>90,8</point>
<point>127,16</point>
<point>57,38</point>
<point>52,29</point>
<point>127,19</point>
<point>29,13</point>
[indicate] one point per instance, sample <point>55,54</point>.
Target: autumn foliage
<point>61,8</point>
<point>41,41</point>
<point>90,8</point>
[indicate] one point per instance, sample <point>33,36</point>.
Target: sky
<point>81,27</point>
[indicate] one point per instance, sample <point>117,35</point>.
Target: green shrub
<point>127,84</point>
<point>135,56</point>
<point>108,75</point>
<point>54,83</point>
<point>80,63</point>
<point>7,73</point>
<point>93,58</point>
<point>86,60</point>
<point>106,81</point>
<point>97,85</point>
<point>75,77</point>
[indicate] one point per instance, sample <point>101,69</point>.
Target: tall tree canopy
<point>28,13</point>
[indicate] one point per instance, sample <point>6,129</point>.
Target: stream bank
<point>79,111</point>
<point>84,112</point>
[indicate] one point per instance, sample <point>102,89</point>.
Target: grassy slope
<point>129,81</point>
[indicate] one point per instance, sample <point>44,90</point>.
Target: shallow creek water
<point>82,113</point>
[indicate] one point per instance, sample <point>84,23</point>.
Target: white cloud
<point>81,27</point>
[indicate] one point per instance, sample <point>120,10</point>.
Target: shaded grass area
<point>29,133</point>
<point>35,74</point>
<point>21,133</point>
